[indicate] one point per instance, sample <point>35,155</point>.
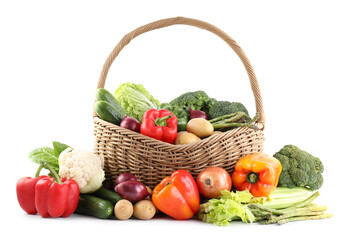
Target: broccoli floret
<point>286,180</point>
<point>197,100</point>
<point>299,168</point>
<point>221,108</point>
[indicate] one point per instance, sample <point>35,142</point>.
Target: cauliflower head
<point>83,166</point>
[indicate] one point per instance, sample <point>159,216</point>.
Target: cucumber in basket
<point>107,107</point>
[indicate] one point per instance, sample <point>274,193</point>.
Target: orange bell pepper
<point>177,196</point>
<point>258,173</point>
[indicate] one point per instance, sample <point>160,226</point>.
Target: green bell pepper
<point>181,114</point>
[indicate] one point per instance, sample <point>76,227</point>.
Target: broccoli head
<point>221,108</point>
<point>299,168</point>
<point>197,100</point>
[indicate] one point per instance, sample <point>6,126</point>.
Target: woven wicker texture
<point>151,160</point>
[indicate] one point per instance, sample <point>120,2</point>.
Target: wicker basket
<point>151,160</point>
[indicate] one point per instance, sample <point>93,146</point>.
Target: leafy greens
<point>135,99</point>
<point>48,155</point>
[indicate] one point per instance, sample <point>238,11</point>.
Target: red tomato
<point>212,180</point>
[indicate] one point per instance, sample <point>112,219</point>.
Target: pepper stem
<point>54,173</point>
<point>37,174</point>
<point>161,121</point>
<point>252,177</point>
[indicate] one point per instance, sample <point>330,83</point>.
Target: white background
<point>51,54</point>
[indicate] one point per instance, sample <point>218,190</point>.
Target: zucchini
<point>107,194</point>
<point>104,95</point>
<point>108,113</point>
<point>94,206</point>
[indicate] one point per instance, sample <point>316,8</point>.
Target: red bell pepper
<point>177,196</point>
<point>25,189</point>
<point>159,124</point>
<point>55,197</point>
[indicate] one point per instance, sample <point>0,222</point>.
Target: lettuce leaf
<point>228,207</point>
<point>135,99</point>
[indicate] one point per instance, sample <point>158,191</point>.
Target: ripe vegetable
<point>130,123</point>
<point>94,206</point>
<point>144,209</point>
<point>48,156</point>
<point>216,132</point>
<point>197,114</point>
<point>221,108</point>
<point>186,138</point>
<point>177,196</point>
<point>83,166</point>
<point>56,197</point>
<point>135,99</point>
<point>200,127</point>
<point>234,120</point>
<point>197,100</point>
<point>257,172</point>
<point>212,180</point>
<point>107,106</point>
<point>243,205</point>
<point>286,197</point>
<point>181,114</point>
<point>228,207</point>
<point>159,124</point>
<point>132,190</point>
<point>108,113</point>
<point>300,169</point>
<point>103,94</point>
<point>107,194</point>
<point>123,210</point>
<point>25,189</point>
<point>124,177</point>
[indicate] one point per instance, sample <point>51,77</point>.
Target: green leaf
<point>58,148</point>
<point>44,155</point>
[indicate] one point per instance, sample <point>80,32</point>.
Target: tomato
<point>212,180</point>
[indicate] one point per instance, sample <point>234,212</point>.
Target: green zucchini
<point>94,206</point>
<point>103,94</point>
<point>107,194</point>
<point>108,113</point>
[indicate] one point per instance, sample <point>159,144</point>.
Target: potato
<point>149,190</point>
<point>200,127</point>
<point>123,210</point>
<point>186,138</point>
<point>144,209</point>
<point>217,132</point>
<point>150,193</point>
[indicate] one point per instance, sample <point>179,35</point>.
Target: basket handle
<point>196,23</point>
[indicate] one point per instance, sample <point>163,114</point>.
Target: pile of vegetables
<point>189,117</point>
<point>233,206</point>
<point>75,185</point>
<point>252,193</point>
<point>262,188</point>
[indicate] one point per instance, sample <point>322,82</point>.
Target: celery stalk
<point>286,197</point>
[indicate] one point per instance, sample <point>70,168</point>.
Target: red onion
<point>197,114</point>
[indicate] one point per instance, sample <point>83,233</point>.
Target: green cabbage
<point>135,99</point>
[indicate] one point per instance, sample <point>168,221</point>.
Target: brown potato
<point>186,138</point>
<point>144,209</point>
<point>216,132</point>
<point>200,127</point>
<point>123,210</point>
<point>150,193</point>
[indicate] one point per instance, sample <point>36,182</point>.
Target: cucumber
<point>104,95</point>
<point>107,194</point>
<point>94,206</point>
<point>108,113</point>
